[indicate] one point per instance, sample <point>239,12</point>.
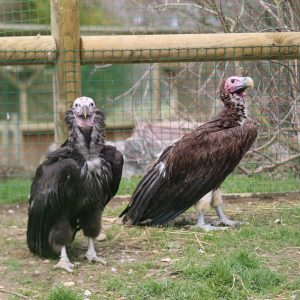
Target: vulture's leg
<point>217,203</point>
<point>64,262</point>
<point>202,207</point>
<point>91,254</point>
<point>91,226</point>
<point>60,236</point>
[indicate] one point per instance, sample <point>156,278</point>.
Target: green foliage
<point>62,293</point>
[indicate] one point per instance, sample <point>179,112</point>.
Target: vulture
<point>71,188</point>
<point>196,165</point>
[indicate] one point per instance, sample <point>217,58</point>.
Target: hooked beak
<point>85,111</point>
<point>246,82</point>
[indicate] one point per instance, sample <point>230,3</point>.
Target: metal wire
<point>150,105</point>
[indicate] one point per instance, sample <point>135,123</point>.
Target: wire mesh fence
<point>150,105</point>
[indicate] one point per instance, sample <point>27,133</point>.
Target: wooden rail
<point>190,47</point>
<point>155,48</point>
<point>27,50</point>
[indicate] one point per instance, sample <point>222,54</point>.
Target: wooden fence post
<point>65,29</point>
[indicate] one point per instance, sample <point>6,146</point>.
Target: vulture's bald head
<point>237,85</point>
<point>84,111</point>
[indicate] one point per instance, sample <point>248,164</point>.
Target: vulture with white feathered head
<point>71,188</point>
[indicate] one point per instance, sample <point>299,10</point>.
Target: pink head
<point>237,85</point>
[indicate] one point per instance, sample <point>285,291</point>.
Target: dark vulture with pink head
<point>72,187</point>
<point>197,164</point>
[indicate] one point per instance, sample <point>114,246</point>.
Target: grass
<point>258,261</point>
<point>261,183</point>
<point>63,293</point>
<point>232,265</point>
<point>16,190</point>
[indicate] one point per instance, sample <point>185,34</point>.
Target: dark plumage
<point>196,164</point>
<point>72,187</point>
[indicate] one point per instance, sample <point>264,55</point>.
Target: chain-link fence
<point>151,97</point>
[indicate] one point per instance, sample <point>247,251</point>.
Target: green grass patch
<point>14,190</point>
<point>257,261</point>
<point>128,185</point>
<point>63,293</point>
<point>12,264</point>
<point>17,189</point>
<point>237,275</point>
<point>261,183</point>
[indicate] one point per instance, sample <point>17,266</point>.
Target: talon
<point>228,222</point>
<point>94,258</point>
<point>207,227</point>
<point>65,265</point>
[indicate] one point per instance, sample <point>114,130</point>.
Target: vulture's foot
<point>92,257</point>
<point>228,222</point>
<point>64,264</point>
<point>224,221</point>
<point>91,254</point>
<point>208,227</point>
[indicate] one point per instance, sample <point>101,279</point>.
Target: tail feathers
<point>37,233</point>
<point>144,193</point>
<point>41,218</point>
<point>164,218</point>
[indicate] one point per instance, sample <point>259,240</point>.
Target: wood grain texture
<point>27,50</point>
<point>67,75</point>
<point>190,47</point>
<point>143,48</point>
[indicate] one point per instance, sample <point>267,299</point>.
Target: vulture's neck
<point>88,140</point>
<point>235,107</point>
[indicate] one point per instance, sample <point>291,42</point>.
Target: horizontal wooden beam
<point>29,128</point>
<point>189,47</point>
<point>27,50</point>
<point>156,48</point>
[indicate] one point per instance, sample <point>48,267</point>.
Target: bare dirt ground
<point>25,276</point>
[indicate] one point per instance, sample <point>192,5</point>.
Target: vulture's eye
<point>232,80</point>
<point>91,104</point>
<point>76,105</point>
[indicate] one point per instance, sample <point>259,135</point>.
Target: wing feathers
<point>50,198</point>
<point>188,170</point>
